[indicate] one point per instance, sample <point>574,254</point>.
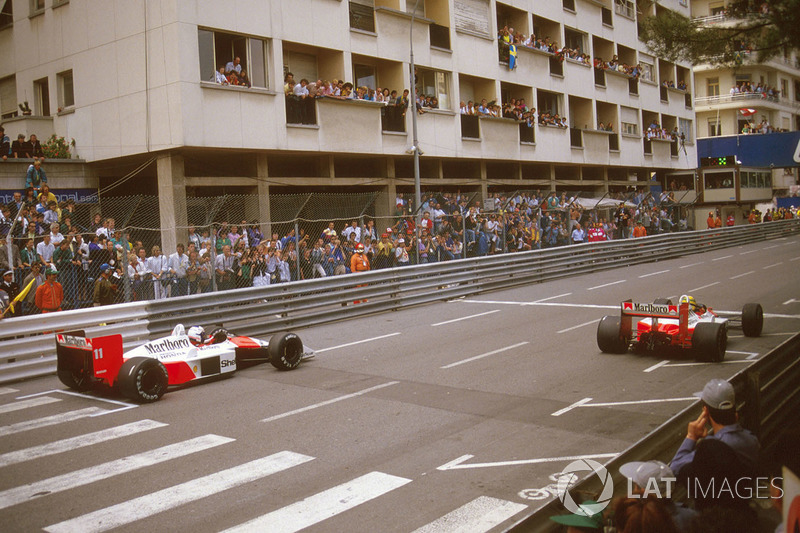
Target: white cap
<point>642,472</point>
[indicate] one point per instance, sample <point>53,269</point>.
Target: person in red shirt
<point>731,220</point>
<point>710,220</point>
<point>50,294</point>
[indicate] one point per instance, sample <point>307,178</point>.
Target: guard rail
<point>28,351</point>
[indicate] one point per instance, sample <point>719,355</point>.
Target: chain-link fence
<point>111,250</point>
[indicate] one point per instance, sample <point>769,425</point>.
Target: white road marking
<point>771,247</point>
<point>171,497</point>
<point>772,265</point>
<point>579,326</point>
<point>764,335</point>
<point>552,297</point>
<point>7,390</point>
<point>706,364</point>
<point>125,405</point>
<point>78,478</point>
<point>704,286</point>
<point>52,420</point>
<point>693,264</point>
<point>790,301</point>
<point>654,273</point>
<point>64,445</point>
<point>475,358</point>
<point>481,514</point>
<point>721,258</point>
<point>795,259</point>
<point>750,355</point>
<point>456,464</point>
<point>606,285</point>
<point>358,342</point>
<point>464,318</point>
<point>26,404</point>
<point>328,402</point>
<point>743,275</point>
<point>638,402</point>
<point>656,366</point>
<point>571,407</point>
<point>323,505</point>
<point>750,252</point>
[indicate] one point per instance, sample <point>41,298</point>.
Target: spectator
<point>193,272</point>
<point>50,294</point>
<point>21,148</point>
<point>219,76</point>
<point>401,253</point>
<point>158,265</point>
<point>176,269</point>
<point>36,176</point>
<point>12,290</point>
<point>143,280</point>
<point>234,66</point>
<point>656,478</point>
<point>105,293</point>
<point>37,278</point>
<point>642,515</point>
<point>5,144</point>
<point>224,267</point>
<point>45,249</point>
<point>581,523</point>
<point>578,235</point>
<point>36,148</point>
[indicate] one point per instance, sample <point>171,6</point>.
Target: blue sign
<point>765,150</point>
<point>80,196</point>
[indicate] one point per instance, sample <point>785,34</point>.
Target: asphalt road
<point>442,416</point>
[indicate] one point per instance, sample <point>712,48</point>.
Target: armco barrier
<point>27,352</point>
<point>768,399</point>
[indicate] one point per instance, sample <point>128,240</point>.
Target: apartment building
<point>131,81</point>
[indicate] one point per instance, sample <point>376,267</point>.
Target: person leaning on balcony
<point>21,148</point>
<point>220,77</point>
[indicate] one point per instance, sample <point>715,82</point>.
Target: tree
<point>768,28</point>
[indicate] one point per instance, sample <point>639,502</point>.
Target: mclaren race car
<point>662,326</point>
<point>144,373</point>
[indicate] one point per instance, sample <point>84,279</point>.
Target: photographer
<point>224,267</point>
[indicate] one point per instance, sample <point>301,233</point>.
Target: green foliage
<point>57,148</point>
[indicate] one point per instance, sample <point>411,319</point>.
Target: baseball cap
<point>642,472</point>
<point>104,267</point>
<point>718,394</point>
<point>594,521</point>
<point>51,270</point>
<point>388,230</point>
<point>401,241</point>
<point>386,235</point>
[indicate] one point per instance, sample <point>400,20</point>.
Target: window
<point>37,6</point>
<point>797,91</point>
<point>712,87</point>
<point>784,87</point>
<point>714,128</point>
<point>362,15</point>
<point>606,16</point>
<point>629,128</point>
<point>8,97</point>
<point>7,13</point>
<point>41,92</point>
<point>686,129</point>
<point>66,92</point>
<point>217,49</point>
<point>569,5</point>
<point>573,39</point>
<point>547,102</point>
<point>365,76</point>
<point>420,8</point>
<point>647,71</point>
<point>434,83</point>
<point>625,8</point>
<point>299,64</point>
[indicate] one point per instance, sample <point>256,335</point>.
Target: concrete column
<point>484,185</point>
<point>264,209</point>
<point>172,201</point>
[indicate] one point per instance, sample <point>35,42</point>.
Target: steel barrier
<point>28,352</point>
<point>768,398</point>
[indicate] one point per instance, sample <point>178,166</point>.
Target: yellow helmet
<point>690,300</point>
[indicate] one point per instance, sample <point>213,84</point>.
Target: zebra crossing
<point>481,514</point>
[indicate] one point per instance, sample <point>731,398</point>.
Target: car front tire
<point>143,379</point>
<point>285,351</point>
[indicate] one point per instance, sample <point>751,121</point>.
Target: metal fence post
<point>126,279</point>
<point>213,259</point>
<point>296,248</point>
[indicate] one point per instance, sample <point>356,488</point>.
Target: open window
<point>218,48</point>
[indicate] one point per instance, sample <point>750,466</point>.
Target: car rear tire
<point>752,320</point>
<point>662,301</point>
<point>76,379</point>
<point>709,341</point>
<point>609,336</point>
<point>143,379</point>
<point>285,351</point>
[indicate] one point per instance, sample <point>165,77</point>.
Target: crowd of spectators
<point>232,73</point>
<point>655,131</point>
<point>20,148</point>
<point>763,127</point>
<point>761,89</point>
<point>616,65</point>
<point>507,36</point>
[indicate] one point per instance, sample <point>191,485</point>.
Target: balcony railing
<point>300,110</point>
<point>738,97</point>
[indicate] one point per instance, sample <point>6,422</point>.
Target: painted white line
<point>358,342</point>
<point>606,285</point>
<point>78,478</point>
<point>551,297</point>
<point>323,505</point>
<point>795,259</point>
<point>771,247</point>
<point>706,364</point>
<point>638,402</point>
<point>7,390</point>
<point>456,464</point>
<point>52,420</point>
<point>464,318</point>
<point>772,265</point>
<point>750,252</point>
<point>750,355</point>
<point>481,514</point>
<point>475,358</point>
<point>656,366</point>
<point>721,258</point>
<point>579,326</point>
<point>790,301</point>
<point>328,402</point>
<point>704,286</point>
<point>26,404</point>
<point>693,264</point>
<point>169,498</point>
<point>654,274</point>
<point>125,405</point>
<point>65,445</point>
<point>571,407</point>
<point>743,275</point>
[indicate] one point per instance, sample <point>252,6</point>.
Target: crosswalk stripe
<point>481,514</point>
<point>323,505</point>
<point>26,404</point>
<point>64,445</point>
<point>91,474</point>
<point>169,498</point>
<point>51,420</point>
<point>7,390</point>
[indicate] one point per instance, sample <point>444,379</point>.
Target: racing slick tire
<point>285,351</point>
<point>709,341</point>
<point>143,379</point>
<point>609,338</point>
<point>76,379</point>
<point>662,301</point>
<point>752,320</point>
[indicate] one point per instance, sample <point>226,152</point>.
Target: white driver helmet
<point>196,334</point>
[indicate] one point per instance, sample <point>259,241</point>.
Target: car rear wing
<point>100,357</point>
<point>630,309</point>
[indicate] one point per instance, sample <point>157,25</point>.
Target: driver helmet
<point>691,301</point>
<point>359,248</point>
<point>196,335</point>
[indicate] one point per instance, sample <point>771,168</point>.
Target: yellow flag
<point>22,294</point>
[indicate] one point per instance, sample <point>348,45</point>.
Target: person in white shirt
<point>352,228</point>
<point>143,279</point>
<point>219,76</point>
<point>55,234</point>
<point>234,66</point>
<point>158,264</point>
<point>45,249</point>
<point>178,263</point>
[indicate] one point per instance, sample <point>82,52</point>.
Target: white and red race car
<point>144,373</point>
<point>662,326</point>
